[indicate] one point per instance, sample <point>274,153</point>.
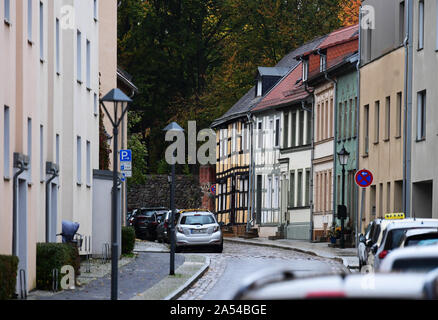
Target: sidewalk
<point>144,277</point>
<point>347,256</point>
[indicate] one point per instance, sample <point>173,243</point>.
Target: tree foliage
<point>193,59</point>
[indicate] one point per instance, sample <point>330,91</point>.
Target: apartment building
<point>332,51</point>
<point>49,122</point>
<point>424,174</point>
<point>290,105</point>
<point>381,132</point>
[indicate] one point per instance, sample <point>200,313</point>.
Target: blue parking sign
<point>125,155</point>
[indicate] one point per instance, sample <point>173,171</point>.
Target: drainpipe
<point>53,170</point>
<point>312,158</point>
<point>335,138</point>
<point>408,44</point>
<point>20,162</point>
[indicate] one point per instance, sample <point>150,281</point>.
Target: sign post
<point>364,179</point>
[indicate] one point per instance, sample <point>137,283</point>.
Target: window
<point>307,190</point>
<point>366,128</point>
<point>301,128</point>
<point>57,40</point>
<point>421,115</point>
<point>294,129</point>
<point>277,132</point>
<point>309,128</point>
<point>346,133</point>
<point>341,133</point>
<point>79,56</point>
<point>388,118</point>
<point>269,194</point>
<point>276,193</point>
<point>286,131</point>
<point>57,149</point>
<point>402,22</point>
<point>6,143</point>
<point>29,144</point>
<point>234,138</point>
<point>271,136</point>
<point>292,190</point>
<point>322,63</point>
<point>88,64</point>
<point>41,31</point>
<point>42,153</point>
<point>260,135</point>
<point>300,188</point>
<point>353,118</point>
<point>420,25</point>
<point>377,122</point>
<point>88,163</point>
<point>79,160</point>
<point>95,10</point>
<point>305,69</point>
<point>259,88</point>
<point>399,115</point>
<point>29,20</point>
<point>7,11</point>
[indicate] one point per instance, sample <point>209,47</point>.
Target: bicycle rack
<point>23,285</point>
<point>55,280</point>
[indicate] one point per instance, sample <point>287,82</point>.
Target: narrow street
<point>229,269</point>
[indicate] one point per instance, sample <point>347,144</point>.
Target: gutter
<point>312,158</point>
<point>408,44</point>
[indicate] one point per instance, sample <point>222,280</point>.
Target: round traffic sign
<point>364,178</point>
<point>213,189</point>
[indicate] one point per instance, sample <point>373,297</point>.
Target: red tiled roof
<point>286,91</point>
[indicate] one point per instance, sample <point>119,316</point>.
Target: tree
<point>349,14</point>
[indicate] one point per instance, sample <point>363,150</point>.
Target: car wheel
<point>219,249</point>
<point>178,249</point>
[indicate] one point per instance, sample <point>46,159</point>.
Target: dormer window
<point>259,88</point>
<point>323,63</point>
<point>305,69</point>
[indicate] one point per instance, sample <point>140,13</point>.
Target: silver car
<point>198,228</point>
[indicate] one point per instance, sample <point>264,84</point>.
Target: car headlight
<point>216,229</point>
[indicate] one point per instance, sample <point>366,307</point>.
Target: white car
<point>411,259</point>
<point>198,228</point>
<point>283,285</point>
<point>419,237</point>
<point>393,235</point>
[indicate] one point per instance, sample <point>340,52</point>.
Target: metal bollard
<point>55,280</point>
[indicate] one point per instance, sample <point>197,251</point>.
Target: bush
<point>128,240</point>
<point>8,276</point>
<point>54,256</point>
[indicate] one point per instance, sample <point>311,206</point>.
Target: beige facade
<point>424,171</point>
<point>381,133</point>
<point>48,113</point>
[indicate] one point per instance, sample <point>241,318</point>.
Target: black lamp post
<point>173,127</point>
<point>120,101</point>
<point>343,159</point>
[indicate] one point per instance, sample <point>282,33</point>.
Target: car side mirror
<point>362,239</point>
<point>374,248</point>
<point>221,224</point>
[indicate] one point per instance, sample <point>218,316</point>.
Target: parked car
<point>139,212</point>
<point>392,237</point>
<point>365,242</point>
<point>163,229</point>
<point>412,259</point>
<point>284,285</point>
<point>419,237</point>
<point>145,224</point>
<point>130,217</point>
<point>198,228</point>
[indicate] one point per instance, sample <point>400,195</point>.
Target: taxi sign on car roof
<point>395,216</point>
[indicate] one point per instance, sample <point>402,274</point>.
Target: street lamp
<point>342,210</point>
<point>173,127</point>
<point>120,102</point>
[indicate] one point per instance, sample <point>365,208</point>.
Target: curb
<point>312,253</point>
<point>186,286</point>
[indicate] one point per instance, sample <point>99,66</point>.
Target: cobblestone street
<point>227,270</point>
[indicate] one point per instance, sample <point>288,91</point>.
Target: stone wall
<point>156,193</point>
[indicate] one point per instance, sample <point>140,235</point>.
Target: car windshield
<point>415,265</point>
<point>197,220</point>
<point>147,213</point>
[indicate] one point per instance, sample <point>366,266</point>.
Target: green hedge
<point>128,240</point>
<point>54,256</point>
<point>8,276</point>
